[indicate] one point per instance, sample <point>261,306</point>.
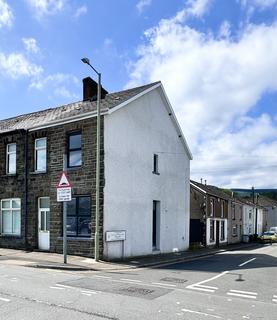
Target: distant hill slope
<point>270,193</point>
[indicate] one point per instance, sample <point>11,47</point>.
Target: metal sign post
<point>64,195</point>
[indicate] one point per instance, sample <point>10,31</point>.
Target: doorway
<point>44,223</point>
<point>156,225</point>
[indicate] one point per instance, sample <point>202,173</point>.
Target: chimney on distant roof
<point>205,182</point>
<point>90,90</point>
<point>201,181</point>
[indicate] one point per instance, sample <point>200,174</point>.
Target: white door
<point>44,223</point>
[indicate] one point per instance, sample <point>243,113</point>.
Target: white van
<point>273,229</point>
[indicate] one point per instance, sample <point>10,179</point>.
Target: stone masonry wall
<point>44,184</point>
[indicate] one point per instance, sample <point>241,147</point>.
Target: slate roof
<point>80,108</point>
<point>212,190</point>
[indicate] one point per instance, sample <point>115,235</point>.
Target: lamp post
<point>96,236</point>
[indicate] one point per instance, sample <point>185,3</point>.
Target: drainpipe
<point>26,188</point>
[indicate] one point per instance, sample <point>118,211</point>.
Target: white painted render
<point>249,220</point>
<point>271,216</point>
<point>222,240</point>
<point>132,135</point>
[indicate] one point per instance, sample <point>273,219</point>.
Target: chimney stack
<point>90,90</point>
<point>205,182</point>
<point>201,181</point>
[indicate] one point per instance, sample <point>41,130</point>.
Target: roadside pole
<point>64,219</point>
<point>64,194</point>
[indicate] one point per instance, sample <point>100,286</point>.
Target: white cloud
<point>56,83</point>
<point>16,65</point>
<point>6,15</point>
<point>213,83</point>
<point>30,45</point>
<point>225,30</point>
<point>43,8</point>
<point>80,11</point>
<point>260,4</point>
<point>142,4</point>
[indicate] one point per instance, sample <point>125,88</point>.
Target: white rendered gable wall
<point>131,137</point>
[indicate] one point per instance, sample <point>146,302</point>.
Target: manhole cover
<point>137,291</point>
<point>174,280</point>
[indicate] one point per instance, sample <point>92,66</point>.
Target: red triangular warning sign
<point>64,181</point>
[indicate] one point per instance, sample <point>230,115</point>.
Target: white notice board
<point>115,235</point>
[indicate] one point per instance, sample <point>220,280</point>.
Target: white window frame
<point>11,209</point>
<point>8,153</point>
<point>37,149</point>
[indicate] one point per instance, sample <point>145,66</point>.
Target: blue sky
<point>215,58</point>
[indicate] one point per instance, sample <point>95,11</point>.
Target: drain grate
<point>173,280</point>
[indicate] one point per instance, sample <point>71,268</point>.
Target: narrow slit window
<point>156,164</point>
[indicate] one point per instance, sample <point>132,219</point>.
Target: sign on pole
<point>64,189</point>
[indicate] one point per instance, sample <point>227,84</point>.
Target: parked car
<point>273,229</point>
<point>268,236</point>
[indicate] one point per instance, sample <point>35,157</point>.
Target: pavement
<point>48,260</point>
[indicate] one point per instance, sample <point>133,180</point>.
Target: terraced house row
<point>218,218</point>
<point>144,175</point>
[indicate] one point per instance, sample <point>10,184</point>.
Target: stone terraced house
<point>144,178</point>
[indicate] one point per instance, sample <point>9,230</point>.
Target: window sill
<point>11,174</point>
<point>77,238</point>
<point>38,172</point>
<point>157,173</point>
<point>13,236</point>
<point>74,168</point>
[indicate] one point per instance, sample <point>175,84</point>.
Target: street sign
<point>115,235</point>
<point>64,189</point>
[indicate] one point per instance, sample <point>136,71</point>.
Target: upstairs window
<point>222,209</point>
<point>11,158</point>
<point>212,207</point>
<point>74,154</point>
<point>233,211</point>
<point>40,154</point>
<point>156,164</point>
<point>10,216</point>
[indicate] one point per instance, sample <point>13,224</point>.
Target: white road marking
<point>248,261</point>
<point>241,295</point>
<point>207,287</point>
<point>5,300</point>
<point>244,292</point>
<point>274,300</point>
<point>132,280</point>
<point>200,287</point>
<point>62,286</point>
<point>88,292</point>
<point>164,284</point>
<point>104,277</point>
<point>58,288</point>
<point>202,313</point>
<point>274,296</point>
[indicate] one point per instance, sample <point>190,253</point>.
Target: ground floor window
<point>11,216</point>
<point>211,230</point>
<point>79,217</point>
<point>222,230</point>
